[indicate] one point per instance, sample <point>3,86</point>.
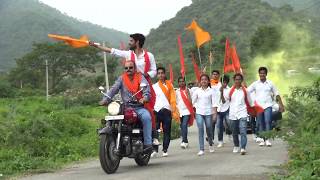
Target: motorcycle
<point>121,136</point>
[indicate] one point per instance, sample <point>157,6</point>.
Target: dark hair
<point>238,74</point>
<point>161,68</point>
<point>263,69</point>
<point>206,75</point>
<point>215,71</point>
<point>138,37</point>
<point>225,78</point>
<point>179,78</point>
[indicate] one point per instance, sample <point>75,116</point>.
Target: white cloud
<point>124,15</point>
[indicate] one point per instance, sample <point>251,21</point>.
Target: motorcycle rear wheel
<point>108,159</point>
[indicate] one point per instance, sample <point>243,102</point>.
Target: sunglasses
<point>127,68</point>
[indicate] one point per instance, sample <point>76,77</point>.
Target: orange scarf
<point>171,97</point>
<point>134,85</point>
<point>188,105</point>
<point>214,82</point>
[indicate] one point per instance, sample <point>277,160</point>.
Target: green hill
<point>237,19</point>
<point>26,21</point>
<point>310,7</point>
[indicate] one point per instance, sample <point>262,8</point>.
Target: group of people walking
<point>211,102</point>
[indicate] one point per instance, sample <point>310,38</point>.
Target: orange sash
<point>214,82</point>
<point>189,106</point>
<point>134,85</point>
<point>171,97</point>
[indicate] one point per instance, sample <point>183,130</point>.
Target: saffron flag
<point>195,67</point>
<point>201,36</point>
<point>182,70</point>
<point>76,43</point>
<point>228,66</point>
<point>171,73</point>
<point>235,60</point>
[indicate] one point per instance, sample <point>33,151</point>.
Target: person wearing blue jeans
<point>238,114</point>
<point>239,126</point>
<point>223,111</point>
<point>185,109</point>
<point>206,101</point>
<point>264,91</point>
<point>145,117</point>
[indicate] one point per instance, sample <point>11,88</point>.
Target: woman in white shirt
<point>206,102</point>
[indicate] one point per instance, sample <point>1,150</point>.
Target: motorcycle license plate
<point>110,118</point>
<point>135,131</point>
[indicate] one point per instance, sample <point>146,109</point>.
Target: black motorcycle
<point>121,136</point>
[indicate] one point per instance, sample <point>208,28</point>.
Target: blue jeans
<point>184,127</point>
<point>207,120</point>
<point>264,120</point>
<point>221,118</point>
<point>164,117</point>
<point>145,118</point>
<point>239,126</point>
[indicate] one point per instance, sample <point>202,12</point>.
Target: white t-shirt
<point>183,110</point>
<point>263,92</point>
<point>204,100</point>
<point>238,108</point>
<point>223,107</point>
<point>161,99</point>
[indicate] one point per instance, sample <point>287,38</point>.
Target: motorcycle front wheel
<point>142,159</point>
<point>108,159</point>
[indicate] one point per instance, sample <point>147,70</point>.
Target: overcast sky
<point>122,15</point>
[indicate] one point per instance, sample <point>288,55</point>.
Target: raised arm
<point>112,51</point>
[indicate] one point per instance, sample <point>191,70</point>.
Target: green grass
<point>38,136</point>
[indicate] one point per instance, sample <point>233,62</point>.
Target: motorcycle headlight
<point>114,108</point>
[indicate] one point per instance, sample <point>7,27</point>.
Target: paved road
<point>258,164</point>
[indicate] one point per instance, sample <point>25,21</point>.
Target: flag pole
<point>105,68</point>
<point>200,58</point>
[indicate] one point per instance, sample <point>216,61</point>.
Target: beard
<point>132,48</point>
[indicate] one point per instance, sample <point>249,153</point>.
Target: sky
<point>121,15</point>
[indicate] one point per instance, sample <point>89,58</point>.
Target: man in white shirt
<point>223,112</point>
<point>164,94</point>
<point>264,90</point>
<point>239,100</point>
<point>215,85</point>
<point>184,106</point>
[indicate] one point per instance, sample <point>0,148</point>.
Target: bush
<point>301,127</point>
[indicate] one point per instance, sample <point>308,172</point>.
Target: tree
<point>265,40</point>
<point>63,61</point>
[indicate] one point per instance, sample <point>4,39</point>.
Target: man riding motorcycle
<point>129,84</point>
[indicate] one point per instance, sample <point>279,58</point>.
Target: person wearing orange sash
<point>215,85</point>
<point>185,108</point>
<point>165,109</point>
<point>144,60</point>
<point>129,84</point>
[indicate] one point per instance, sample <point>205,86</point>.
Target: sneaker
<point>235,150</point>
<point>200,153</point>
<point>243,151</point>
<point>258,140</point>
<point>262,143</point>
<point>155,142</point>
<point>268,143</point>
<point>184,145</point>
<point>211,149</point>
<point>165,154</point>
<point>254,137</point>
<point>154,154</point>
<point>220,144</point>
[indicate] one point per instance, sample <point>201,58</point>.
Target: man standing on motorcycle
<point>129,86</point>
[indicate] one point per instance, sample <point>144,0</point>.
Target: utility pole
<point>47,81</point>
<point>105,68</point>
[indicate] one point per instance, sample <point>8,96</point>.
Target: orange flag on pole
<point>182,70</point>
<point>235,60</point>
<point>76,43</point>
<point>227,67</point>
<point>201,36</point>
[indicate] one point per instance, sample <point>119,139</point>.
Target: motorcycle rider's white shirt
<point>140,61</point>
<point>161,99</point>
<point>263,92</point>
